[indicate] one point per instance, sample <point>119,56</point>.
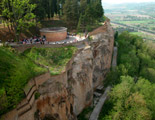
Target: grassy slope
<point>53,58</point>
<point>17,69</point>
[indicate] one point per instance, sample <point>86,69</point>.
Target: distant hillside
<point>137,18</point>
<point>143,8</point>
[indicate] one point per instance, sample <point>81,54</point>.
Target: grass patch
<point>53,58</point>
<point>138,21</point>
<point>137,33</point>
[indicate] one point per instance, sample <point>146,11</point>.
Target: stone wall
<point>55,36</point>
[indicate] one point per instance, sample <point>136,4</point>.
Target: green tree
<point>147,89</point>
<point>99,12</point>
<point>18,13</point>
<point>83,6</point>
<point>67,11</point>
<point>132,98</point>
<point>39,11</point>
<point>128,103</point>
<point>148,73</point>
<point>70,12</point>
<point>116,35</point>
<point>81,23</point>
<point>90,13</point>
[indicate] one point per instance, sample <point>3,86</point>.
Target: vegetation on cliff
<point>53,58</point>
<point>133,94</point>
<point>17,69</point>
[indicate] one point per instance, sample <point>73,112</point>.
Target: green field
<point>137,33</point>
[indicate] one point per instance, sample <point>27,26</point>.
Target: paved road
<point>98,107</point>
<point>114,61</point>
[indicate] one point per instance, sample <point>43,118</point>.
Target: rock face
<point>66,95</point>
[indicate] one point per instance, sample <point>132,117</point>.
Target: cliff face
<point>66,95</point>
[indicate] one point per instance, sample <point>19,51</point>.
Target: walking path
<point>114,62</point>
<point>98,107</point>
<point>70,39</point>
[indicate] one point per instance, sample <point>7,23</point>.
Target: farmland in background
<point>137,18</point>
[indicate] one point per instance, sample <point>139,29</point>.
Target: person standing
<point>31,40</point>
<point>12,40</point>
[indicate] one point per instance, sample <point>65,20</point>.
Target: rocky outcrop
<point>80,78</point>
<point>64,96</point>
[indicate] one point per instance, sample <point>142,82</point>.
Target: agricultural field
<point>139,19</point>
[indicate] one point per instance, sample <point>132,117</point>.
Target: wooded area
<point>133,82</point>
<point>22,14</point>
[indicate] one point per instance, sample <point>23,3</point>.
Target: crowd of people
<point>42,40</point>
<point>32,40</point>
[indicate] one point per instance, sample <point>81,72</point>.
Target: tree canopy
<point>132,97</point>
<point>77,14</point>
<point>18,14</point>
